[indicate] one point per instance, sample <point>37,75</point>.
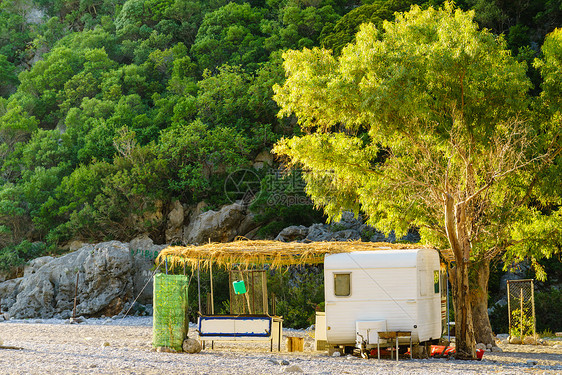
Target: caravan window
<point>436,282</point>
<point>342,284</point>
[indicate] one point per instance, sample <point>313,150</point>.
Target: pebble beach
<point>123,346</point>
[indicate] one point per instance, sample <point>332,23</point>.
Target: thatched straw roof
<point>246,253</point>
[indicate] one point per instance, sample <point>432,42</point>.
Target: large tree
<point>425,125</point>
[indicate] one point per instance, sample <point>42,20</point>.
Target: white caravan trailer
<point>368,292</point>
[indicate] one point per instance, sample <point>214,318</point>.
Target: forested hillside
<point>111,109</point>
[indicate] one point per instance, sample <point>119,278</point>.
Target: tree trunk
<point>455,225</point>
<point>479,302</point>
<point>464,330</point>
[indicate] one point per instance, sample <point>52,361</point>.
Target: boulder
<point>174,230</point>
<point>143,252</point>
<point>319,232</point>
<point>346,235</point>
<point>8,293</point>
<point>515,341</point>
<point>263,159</point>
<point>529,341</point>
<point>248,225</point>
<point>104,284</point>
<point>191,346</point>
<point>216,226</point>
<point>35,265</point>
<point>323,232</point>
<point>349,221</point>
<point>292,233</point>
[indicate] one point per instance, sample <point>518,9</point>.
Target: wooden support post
<point>199,287</point>
<point>508,308</point>
<point>212,295</point>
<point>75,296</point>
<point>521,312</point>
<point>533,304</point>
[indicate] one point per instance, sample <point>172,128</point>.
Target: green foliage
<point>195,155</point>
<point>299,292</point>
<point>8,77</point>
<point>230,35</point>
<point>547,307</point>
<point>282,202</point>
<point>335,37</point>
<point>17,255</point>
<point>522,323</point>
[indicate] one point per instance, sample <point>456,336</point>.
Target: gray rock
<point>104,284</point>
<point>248,225</point>
<point>175,222</point>
<point>143,252</point>
<point>323,232</point>
<point>517,273</point>
<point>8,293</point>
<point>481,346</point>
<point>263,159</point>
<point>529,341</point>
<point>215,226</point>
<point>273,362</point>
<point>77,320</point>
<point>35,264</point>
<point>378,236</point>
<point>489,346</point>
<point>346,235</point>
<point>292,233</point>
<point>191,346</point>
<point>284,362</point>
<point>336,354</point>
<point>293,368</point>
<point>319,232</point>
<point>497,349</point>
<point>532,363</point>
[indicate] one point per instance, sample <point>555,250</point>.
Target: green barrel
<point>169,325</point>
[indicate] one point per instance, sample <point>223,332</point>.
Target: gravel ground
<point>123,346</point>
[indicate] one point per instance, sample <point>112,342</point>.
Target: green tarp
<point>170,325</point>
